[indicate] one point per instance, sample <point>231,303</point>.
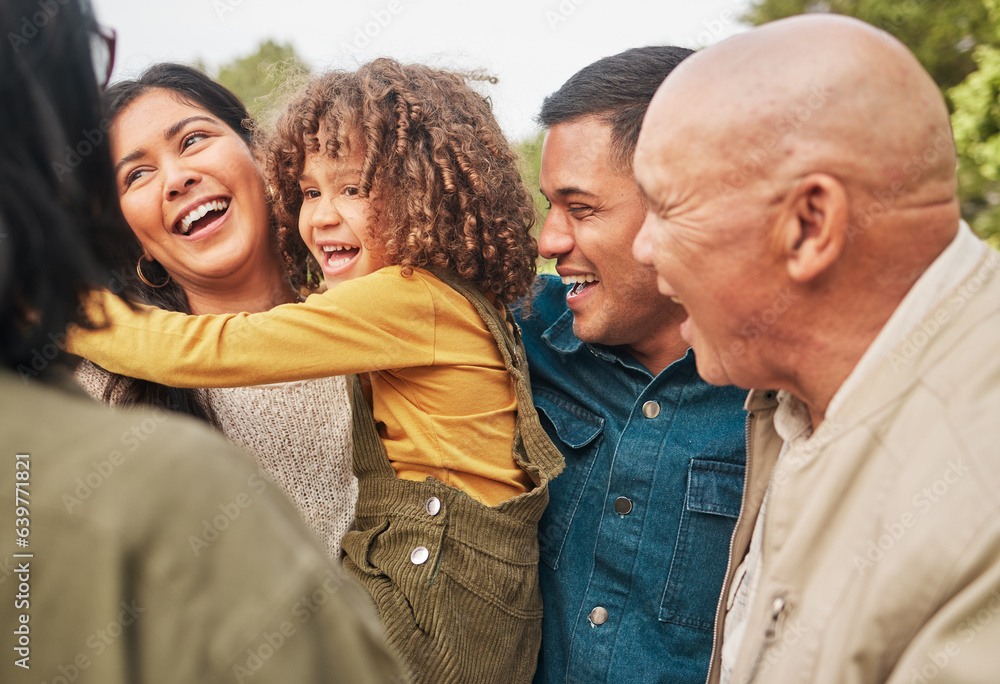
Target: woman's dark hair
<point>195,88</point>
<point>59,211</point>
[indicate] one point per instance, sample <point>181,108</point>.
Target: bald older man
<point>821,255</point>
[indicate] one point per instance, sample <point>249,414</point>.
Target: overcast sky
<point>531,46</point>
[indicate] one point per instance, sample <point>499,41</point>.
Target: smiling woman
<point>192,192</point>
<point>194,196</point>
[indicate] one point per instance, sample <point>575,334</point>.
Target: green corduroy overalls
<point>455,581</point>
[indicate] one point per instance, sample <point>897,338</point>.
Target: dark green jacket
<point>159,554</point>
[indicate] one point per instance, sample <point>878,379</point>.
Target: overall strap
<point>502,327</point>
<point>544,460</point>
<point>368,451</point>
<point>532,448</point>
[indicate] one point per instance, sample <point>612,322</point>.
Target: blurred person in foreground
<point>135,546</point>
<point>822,257</point>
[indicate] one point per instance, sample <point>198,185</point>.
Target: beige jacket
<point>881,547</point>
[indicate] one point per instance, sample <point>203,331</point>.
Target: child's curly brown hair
<point>444,182</point>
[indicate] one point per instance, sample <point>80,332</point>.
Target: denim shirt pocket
<point>711,506</point>
<point>578,434</point>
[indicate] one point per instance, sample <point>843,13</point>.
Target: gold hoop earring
<point>142,277</point>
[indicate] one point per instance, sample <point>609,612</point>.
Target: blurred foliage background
<point>957,41</point>
<point>264,79</point>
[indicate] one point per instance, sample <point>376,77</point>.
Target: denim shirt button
<point>623,505</point>
<point>598,615</point>
<point>651,409</point>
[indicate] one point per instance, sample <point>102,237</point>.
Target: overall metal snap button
<point>419,555</point>
<point>623,505</point>
<point>433,506</point>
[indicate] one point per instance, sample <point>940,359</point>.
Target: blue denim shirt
<point>639,522</point>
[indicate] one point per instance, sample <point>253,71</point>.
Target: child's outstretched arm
<point>362,325</point>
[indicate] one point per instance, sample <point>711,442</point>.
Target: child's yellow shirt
<point>442,398</point>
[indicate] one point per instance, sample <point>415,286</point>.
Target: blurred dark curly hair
<point>443,180</point>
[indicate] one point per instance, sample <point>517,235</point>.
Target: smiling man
<point>803,207</point>
<point>635,537</point>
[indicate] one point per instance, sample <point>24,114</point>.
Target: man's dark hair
<point>616,90</point>
<point>59,212</point>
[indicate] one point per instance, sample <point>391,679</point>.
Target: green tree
<point>958,42</point>
<point>262,79</point>
<point>530,153</point>
<point>941,33</point>
<point>976,123</point>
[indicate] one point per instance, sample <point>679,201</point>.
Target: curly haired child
<point>406,196</point>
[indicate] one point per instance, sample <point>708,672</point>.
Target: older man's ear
<point>813,226</point>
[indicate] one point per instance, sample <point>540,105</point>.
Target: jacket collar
<point>560,337</point>
<point>909,362</point>
<point>759,399</point>
<point>951,320</point>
